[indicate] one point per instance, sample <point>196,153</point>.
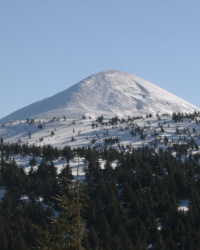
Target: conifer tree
<point>68,228</point>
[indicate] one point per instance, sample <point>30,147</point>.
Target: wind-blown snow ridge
<point>107,93</point>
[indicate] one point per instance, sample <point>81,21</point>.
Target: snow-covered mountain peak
<point>107,93</point>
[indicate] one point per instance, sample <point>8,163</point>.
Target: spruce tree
<point>68,228</point>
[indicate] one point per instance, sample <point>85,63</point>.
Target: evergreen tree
<point>68,230</point>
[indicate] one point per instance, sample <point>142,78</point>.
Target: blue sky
<point>47,46</point>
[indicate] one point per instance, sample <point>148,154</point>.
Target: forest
<point>134,205</point>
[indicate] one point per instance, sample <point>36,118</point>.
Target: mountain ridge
<point>107,93</point>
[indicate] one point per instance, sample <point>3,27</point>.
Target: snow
<point>85,135</point>
<point>183,205</point>
<point>59,121</point>
<point>107,93</point>
<point>77,166</point>
<point>159,224</point>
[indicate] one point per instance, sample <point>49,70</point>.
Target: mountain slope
<point>107,93</point>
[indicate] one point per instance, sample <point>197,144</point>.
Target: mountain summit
<point>107,93</point>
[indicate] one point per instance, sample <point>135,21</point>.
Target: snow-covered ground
<point>162,131</point>
<point>107,93</point>
<point>183,205</point>
<point>155,132</point>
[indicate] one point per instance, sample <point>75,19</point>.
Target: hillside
<point>107,93</point>
<point>140,183</point>
<point>84,132</point>
<point>138,174</point>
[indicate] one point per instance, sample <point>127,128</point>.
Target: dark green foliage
<point>68,227</point>
<point>124,203</point>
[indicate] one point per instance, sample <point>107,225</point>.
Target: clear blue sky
<point>47,46</point>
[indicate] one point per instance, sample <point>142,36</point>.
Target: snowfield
<point>107,93</point>
<point>122,134</point>
<point>139,132</point>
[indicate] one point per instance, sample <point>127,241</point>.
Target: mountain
<point>141,174</point>
<point>107,93</point>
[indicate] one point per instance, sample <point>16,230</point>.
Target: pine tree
<point>68,227</point>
